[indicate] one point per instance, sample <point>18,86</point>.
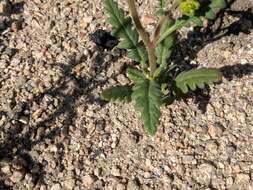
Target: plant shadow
<point>202,97</point>
<point>199,38</point>
<point>9,24</point>
<point>20,138</point>
<point>8,10</point>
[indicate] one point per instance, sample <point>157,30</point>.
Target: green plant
<point>152,83</point>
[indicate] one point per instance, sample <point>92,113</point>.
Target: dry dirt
<point>56,133</point>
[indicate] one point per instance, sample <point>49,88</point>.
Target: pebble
<point>242,178</point>
<point>120,186</point>
<point>56,186</point>
<point>97,172</point>
<point>229,182</point>
<point>56,60</point>
<point>122,79</point>
<point>212,131</point>
<point>85,21</point>
<point>87,180</point>
<point>24,120</point>
<point>69,184</point>
<point>6,169</point>
<point>53,148</point>
<point>132,185</point>
<point>147,175</point>
<point>17,176</point>
<point>113,145</point>
<point>4,6</point>
<point>204,173</point>
<point>115,171</point>
<point>188,159</point>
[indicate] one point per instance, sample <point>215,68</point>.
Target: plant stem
<point>144,36</point>
<point>172,29</point>
<point>158,28</point>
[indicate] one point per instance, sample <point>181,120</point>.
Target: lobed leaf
<point>161,8</point>
<point>194,20</point>
<point>135,75</point>
<point>123,28</point>
<point>163,49</point>
<point>197,78</point>
<point>117,93</point>
<point>215,6</point>
<point>178,24</point>
<point>147,96</point>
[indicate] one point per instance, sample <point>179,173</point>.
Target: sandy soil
<point>56,133</point>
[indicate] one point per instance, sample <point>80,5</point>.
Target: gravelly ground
<point>56,133</point>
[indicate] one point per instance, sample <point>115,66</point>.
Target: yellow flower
<point>188,7</point>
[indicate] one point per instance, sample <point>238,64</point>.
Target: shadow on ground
<point>199,38</point>
<point>19,139</point>
<point>9,10</point>
<point>202,96</point>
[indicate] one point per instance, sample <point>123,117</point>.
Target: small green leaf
<point>125,44</point>
<point>147,96</point>
<point>197,78</point>
<point>178,24</point>
<point>122,27</point>
<point>117,93</point>
<point>215,6</point>
<point>196,20</point>
<point>135,75</point>
<point>163,49</point>
<point>161,8</point>
<point>210,15</point>
<point>189,18</point>
<point>218,4</point>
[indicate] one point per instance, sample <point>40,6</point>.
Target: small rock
<point>148,164</point>
<point>17,176</point>
<point>40,133</point>
<point>113,145</point>
<point>3,26</point>
<point>146,175</point>
<point>203,174</point>
<point>135,137</point>
<point>115,171</point>
<point>214,131</point>
<point>242,178</point>
<point>53,148</point>
<point>87,180</point>
<point>145,187</point>
<point>69,184</point>
<point>6,169</point>
<point>24,120</point>
<point>43,187</point>
<point>229,182</point>
<point>4,7</point>
<point>148,19</point>
<point>188,159</point>
<point>85,21</point>
<point>97,172</point>
<point>122,79</point>
<point>56,186</point>
<point>120,186</point>
<point>133,185</point>
<point>10,51</point>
